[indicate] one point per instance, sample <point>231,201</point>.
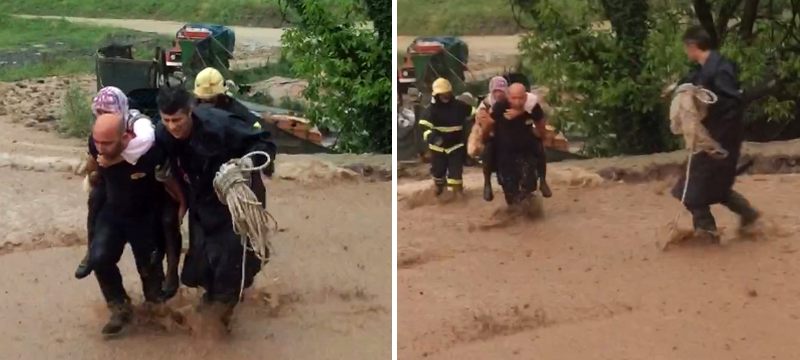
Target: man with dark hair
<point>130,212</point>
<point>711,180</point>
<point>699,38</point>
<point>199,140</point>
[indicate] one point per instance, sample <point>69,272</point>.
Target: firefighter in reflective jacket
<point>443,125</point>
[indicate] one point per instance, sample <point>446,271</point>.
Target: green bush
<point>77,114</point>
<point>348,69</point>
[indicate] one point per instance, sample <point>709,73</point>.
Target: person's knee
<point>101,256</point>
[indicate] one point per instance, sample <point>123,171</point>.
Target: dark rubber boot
<point>705,227</point>
<point>121,316</point>
<point>546,192</point>
<point>748,216</point>
<point>488,194</point>
<point>171,284</point>
<point>439,189</point>
<point>712,237</point>
<point>83,269</point>
<point>227,316</point>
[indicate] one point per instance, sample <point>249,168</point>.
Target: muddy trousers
<point>489,162</point>
<point>111,233</point>
<point>704,220</point>
<point>518,176</point>
<point>541,161</point>
<point>447,168</point>
<point>97,196</point>
<point>214,260</point>
<point>172,241</point>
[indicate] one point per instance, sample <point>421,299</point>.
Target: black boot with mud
<point>707,236</point>
<point>439,189</point>
<point>83,269</point>
<point>121,316</point>
<point>748,224</point>
<point>546,192</point>
<point>488,194</point>
<point>171,285</point>
<point>748,216</point>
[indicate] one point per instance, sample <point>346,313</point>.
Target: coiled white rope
<point>713,98</point>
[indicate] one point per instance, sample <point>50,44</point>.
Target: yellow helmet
<point>441,86</point>
<point>209,83</point>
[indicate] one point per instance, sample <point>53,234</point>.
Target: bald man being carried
<point>130,214</point>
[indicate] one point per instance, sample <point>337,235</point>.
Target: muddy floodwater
<point>588,280</point>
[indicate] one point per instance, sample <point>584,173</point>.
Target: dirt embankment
<point>779,157</point>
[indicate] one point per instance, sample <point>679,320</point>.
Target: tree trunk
<point>703,11</point>
<point>748,19</point>
<point>726,12</point>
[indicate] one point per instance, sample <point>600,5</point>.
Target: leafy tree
<point>348,67</point>
<point>606,77</point>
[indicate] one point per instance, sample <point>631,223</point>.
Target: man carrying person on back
<point>498,87</point>
<point>130,213</point>
<point>515,144</point>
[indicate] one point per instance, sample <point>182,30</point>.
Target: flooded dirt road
<point>588,282</point>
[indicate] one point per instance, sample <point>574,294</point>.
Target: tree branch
<point>703,11</point>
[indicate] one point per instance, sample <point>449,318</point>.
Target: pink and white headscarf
<point>498,83</point>
<point>110,99</point>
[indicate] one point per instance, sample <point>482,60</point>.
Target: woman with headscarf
<point>112,100</point>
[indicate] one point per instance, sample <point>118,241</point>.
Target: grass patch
<point>467,17</point>
<point>35,48</point>
<point>265,13</point>
<point>77,113</point>
<point>48,68</point>
<point>18,33</point>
